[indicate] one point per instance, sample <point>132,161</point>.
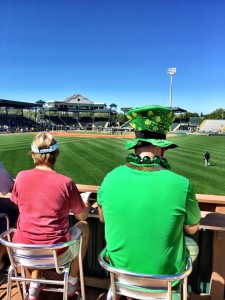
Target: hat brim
<point>159,143</point>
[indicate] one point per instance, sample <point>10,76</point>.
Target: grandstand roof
<point>74,103</point>
<point>102,110</point>
<point>175,109</point>
<point>90,111</point>
<point>51,109</point>
<point>18,105</point>
<point>76,98</point>
<point>78,110</point>
<point>178,110</point>
<point>125,109</point>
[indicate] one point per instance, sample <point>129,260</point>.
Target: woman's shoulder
<point>64,178</point>
<point>24,172</point>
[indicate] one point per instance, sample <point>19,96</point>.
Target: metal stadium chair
<point>144,286</point>
<point>42,257</point>
<point>5,216</point>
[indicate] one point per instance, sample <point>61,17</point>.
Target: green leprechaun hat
<point>151,124</point>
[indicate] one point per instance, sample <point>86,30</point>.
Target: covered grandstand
<point>12,116</point>
<point>75,112</point>
<point>212,126</point>
<point>79,113</point>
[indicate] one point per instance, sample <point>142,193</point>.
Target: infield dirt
<point>97,135</point>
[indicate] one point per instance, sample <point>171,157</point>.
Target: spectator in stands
<point>206,158</point>
<point>146,207</point>
<point>44,198</point>
<point>8,208</point>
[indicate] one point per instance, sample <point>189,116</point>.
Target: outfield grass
<point>88,160</point>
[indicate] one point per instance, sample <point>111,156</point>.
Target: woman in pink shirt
<point>45,198</point>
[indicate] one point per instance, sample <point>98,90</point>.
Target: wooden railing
<point>213,219</point>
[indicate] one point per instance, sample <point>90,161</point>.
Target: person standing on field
<point>207,157</point>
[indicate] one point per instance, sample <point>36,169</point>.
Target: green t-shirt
<point>144,214</point>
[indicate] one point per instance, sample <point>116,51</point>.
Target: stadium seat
<point>42,257</point>
<point>145,286</point>
<point>5,216</point>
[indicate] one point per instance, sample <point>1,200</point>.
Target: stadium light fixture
<point>171,72</point>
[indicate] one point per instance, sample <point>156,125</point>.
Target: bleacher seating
<point>55,120</point>
<point>69,121</point>
<point>174,125</point>
<point>100,124</point>
<point>85,121</point>
<point>215,126</point>
<point>181,131</point>
<point>126,125</point>
<point>16,122</point>
<point>196,121</point>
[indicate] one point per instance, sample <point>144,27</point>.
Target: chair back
<point>144,286</point>
<point>48,256</point>
<point>5,216</point>
<point>41,256</point>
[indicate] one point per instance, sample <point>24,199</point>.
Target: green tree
<point>190,114</point>
<point>121,118</point>
<point>219,113</point>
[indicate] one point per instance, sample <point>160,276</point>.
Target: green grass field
<point>88,160</point>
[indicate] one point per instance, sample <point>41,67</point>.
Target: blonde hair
<point>44,140</point>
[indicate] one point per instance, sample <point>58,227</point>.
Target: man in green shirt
<point>146,207</point>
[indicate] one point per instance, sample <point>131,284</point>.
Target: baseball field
<point>88,157</point>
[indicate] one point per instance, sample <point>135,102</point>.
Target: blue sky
<point>114,51</point>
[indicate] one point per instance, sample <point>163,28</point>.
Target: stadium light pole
<point>171,72</point>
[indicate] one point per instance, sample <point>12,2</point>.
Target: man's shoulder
<point>178,177</point>
<point>115,174</point>
<point>116,170</point>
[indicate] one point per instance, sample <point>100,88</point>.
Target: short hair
<point>144,146</point>
<point>44,140</point>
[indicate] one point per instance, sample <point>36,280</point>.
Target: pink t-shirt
<point>44,199</point>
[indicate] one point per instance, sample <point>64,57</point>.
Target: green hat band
<point>146,134</point>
